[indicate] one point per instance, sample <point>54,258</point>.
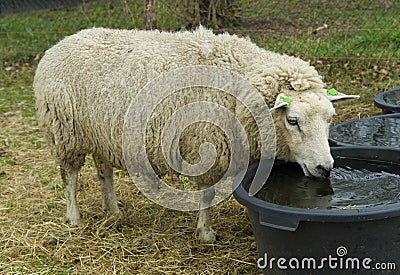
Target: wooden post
<point>150,14</point>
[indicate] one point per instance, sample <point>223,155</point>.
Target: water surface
<point>372,131</point>
<point>346,188</point>
<point>392,98</point>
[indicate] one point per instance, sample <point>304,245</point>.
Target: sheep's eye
<point>292,120</point>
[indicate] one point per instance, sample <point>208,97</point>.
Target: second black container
<point>382,130</point>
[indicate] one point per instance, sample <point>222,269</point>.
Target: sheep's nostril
<point>324,171</point>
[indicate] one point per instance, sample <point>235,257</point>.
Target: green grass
<point>24,36</point>
<point>9,205</point>
<point>7,160</point>
<point>366,29</point>
<point>353,44</point>
<point>15,89</point>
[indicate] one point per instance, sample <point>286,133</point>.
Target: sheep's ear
<point>335,96</point>
<point>282,101</point>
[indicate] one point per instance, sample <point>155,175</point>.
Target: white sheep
<point>85,83</point>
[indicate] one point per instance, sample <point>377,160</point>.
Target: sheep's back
<point>85,83</point>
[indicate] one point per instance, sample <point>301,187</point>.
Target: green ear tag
<point>287,100</point>
<point>332,92</point>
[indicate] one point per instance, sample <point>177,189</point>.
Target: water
<point>363,188</point>
<point>373,131</point>
<point>346,188</point>
<point>392,98</point>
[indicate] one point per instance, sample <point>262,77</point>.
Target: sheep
<point>84,84</point>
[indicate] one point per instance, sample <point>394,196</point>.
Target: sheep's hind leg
<point>105,174</point>
<point>69,175</point>
<point>205,232</point>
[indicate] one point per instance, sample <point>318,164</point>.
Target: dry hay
<point>147,239</point>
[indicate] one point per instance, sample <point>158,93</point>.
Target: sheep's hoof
<point>74,222</point>
<point>206,235</point>
<point>113,211</point>
<point>117,215</point>
<point>113,208</point>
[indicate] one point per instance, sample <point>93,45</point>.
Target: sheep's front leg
<point>69,175</point>
<point>204,230</point>
<point>105,174</point>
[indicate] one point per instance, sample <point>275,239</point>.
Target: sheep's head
<point>302,127</point>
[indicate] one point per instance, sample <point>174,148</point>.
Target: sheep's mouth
<point>307,172</point>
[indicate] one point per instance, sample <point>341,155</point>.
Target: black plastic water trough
<point>382,130</point>
<point>388,101</point>
<point>334,241</point>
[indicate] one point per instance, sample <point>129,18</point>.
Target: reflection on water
<point>392,98</point>
<point>347,188</point>
<point>373,131</point>
<point>287,185</point>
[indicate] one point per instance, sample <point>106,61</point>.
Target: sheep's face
<point>302,129</point>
